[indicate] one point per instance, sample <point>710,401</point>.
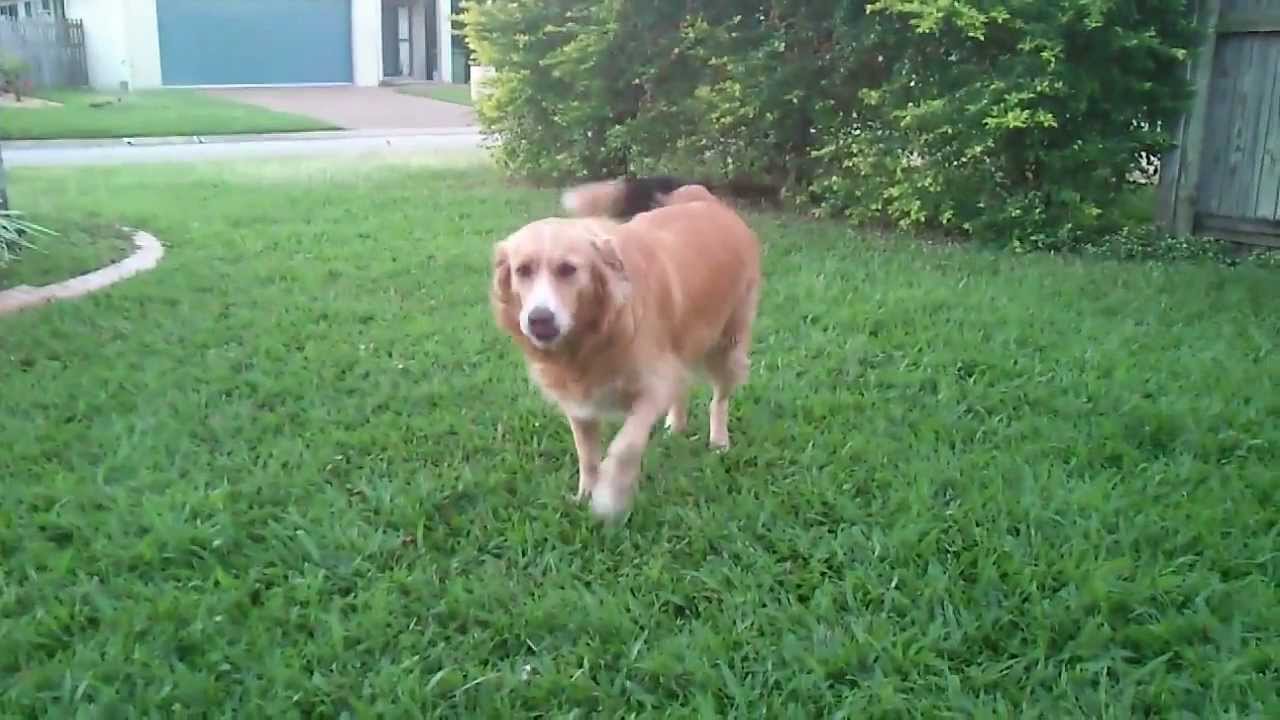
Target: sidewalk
<point>70,144</point>
<point>43,153</point>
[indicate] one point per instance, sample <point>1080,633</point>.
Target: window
<point>26,6</point>
<point>9,11</point>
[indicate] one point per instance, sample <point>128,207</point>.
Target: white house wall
<point>366,41</point>
<point>444,39</point>
<point>122,41</point>
<point>106,44</point>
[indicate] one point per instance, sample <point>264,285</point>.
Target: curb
<point>74,143</point>
<point>146,255</point>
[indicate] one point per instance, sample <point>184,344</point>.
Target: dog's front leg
<point>678,414</point>
<point>586,440</point>
<point>613,493</point>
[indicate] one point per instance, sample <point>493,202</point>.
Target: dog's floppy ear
<point>501,272</point>
<point>500,294</point>
<point>612,277</point>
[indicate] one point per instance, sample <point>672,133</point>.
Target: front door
<point>397,40</point>
<point>403,41</point>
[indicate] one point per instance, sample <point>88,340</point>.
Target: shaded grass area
<point>77,248</point>
<point>295,471</point>
<point>142,114</point>
<point>459,94</point>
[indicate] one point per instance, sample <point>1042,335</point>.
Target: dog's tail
<point>624,197</point>
<point>600,198</point>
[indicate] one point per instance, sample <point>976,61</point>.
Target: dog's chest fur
<point>582,400</point>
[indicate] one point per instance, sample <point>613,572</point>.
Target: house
<point>207,43</point>
<point>19,9</point>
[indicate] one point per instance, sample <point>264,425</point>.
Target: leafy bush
<point>15,236</point>
<point>598,88</point>
<point>1014,120</point>
<point>1011,120</point>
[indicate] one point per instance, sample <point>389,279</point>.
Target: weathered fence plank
<point>1182,208</point>
<point>1223,179</point>
<point>1249,16</point>
<point>1267,198</point>
<point>1254,231</point>
<point>1223,99</point>
<point>52,47</point>
<point>1267,57</point>
<point>1225,195</point>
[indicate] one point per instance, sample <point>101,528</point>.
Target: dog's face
<point>556,279</point>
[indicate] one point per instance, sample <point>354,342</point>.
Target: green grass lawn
<point>295,472</point>
<point>459,94</point>
<point>79,247</point>
<point>143,114</point>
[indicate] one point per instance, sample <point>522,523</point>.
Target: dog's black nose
<point>542,325</point>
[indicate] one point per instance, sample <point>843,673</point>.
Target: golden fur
<point>641,306</point>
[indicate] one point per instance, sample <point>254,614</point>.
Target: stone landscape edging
<point>146,255</point>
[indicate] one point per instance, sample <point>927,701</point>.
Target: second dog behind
<point>625,197</point>
<point>617,318</point>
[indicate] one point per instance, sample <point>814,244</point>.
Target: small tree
<point>13,73</point>
<point>15,233</point>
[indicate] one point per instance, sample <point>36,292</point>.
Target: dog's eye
<point>565,270</point>
<point>524,270</point>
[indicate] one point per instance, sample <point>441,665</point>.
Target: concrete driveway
<point>355,108</point>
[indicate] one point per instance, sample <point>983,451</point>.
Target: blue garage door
<point>254,42</point>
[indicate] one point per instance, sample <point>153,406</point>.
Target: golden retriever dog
<point>616,319</point>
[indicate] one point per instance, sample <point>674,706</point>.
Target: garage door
<point>254,42</point>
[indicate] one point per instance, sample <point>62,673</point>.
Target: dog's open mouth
<point>543,334</point>
<point>543,328</point>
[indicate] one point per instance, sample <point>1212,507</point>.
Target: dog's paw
<point>676,425</point>
<point>610,501</point>
<point>719,444</point>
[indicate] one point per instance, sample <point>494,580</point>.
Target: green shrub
<point>553,115</point>
<point>1010,120</point>
<point>1013,121</point>
<point>598,88</point>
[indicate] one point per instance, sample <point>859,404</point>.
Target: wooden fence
<point>1223,178</point>
<point>52,47</point>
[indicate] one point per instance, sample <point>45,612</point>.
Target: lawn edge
<point>145,256</point>
<point>407,91</point>
<point>297,122</point>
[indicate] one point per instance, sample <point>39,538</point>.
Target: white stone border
<point>146,255</point>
